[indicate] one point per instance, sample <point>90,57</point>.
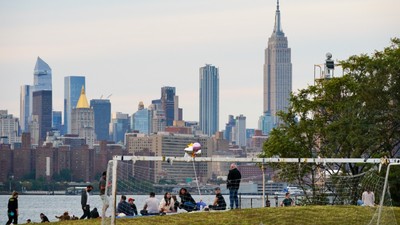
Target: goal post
<point>118,161</point>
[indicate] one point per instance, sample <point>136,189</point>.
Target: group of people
<point>152,205</point>
<point>170,204</point>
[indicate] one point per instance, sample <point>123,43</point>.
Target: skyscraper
<point>168,104</point>
<point>42,76</point>
<point>119,126</point>
<point>159,121</point>
<point>42,108</point>
<point>72,91</point>
<point>82,120</point>
<point>42,80</point>
<point>228,128</point>
<point>102,117</point>
<point>240,129</point>
<point>277,75</point>
<point>142,120</point>
<point>209,99</point>
<point>25,105</point>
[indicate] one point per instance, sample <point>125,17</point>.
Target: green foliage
<point>353,116</point>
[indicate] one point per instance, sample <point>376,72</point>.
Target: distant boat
<point>291,190</point>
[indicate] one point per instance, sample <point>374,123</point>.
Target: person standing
<point>233,183</point>
<point>368,198</point>
<point>85,197</point>
<point>288,201</point>
<point>12,211</point>
<point>103,195</point>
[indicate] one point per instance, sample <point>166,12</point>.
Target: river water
<point>30,206</point>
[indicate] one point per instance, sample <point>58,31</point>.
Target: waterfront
<point>30,206</point>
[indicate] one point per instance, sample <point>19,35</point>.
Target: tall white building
<point>240,131</point>
<point>277,75</point>
<point>8,128</point>
<point>25,104</point>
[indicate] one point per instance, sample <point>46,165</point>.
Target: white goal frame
<point>263,161</point>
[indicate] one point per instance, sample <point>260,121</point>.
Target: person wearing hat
<point>12,211</point>
<point>219,201</point>
<point>131,202</point>
<point>124,207</point>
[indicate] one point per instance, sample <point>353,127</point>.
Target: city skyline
<point>140,47</point>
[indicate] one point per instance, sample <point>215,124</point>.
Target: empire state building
<point>277,76</point>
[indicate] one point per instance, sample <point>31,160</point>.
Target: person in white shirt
<point>151,206</point>
<point>368,198</point>
<point>167,203</point>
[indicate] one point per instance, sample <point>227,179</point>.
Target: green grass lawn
<point>318,215</point>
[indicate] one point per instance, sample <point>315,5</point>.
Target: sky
<point>129,49</point>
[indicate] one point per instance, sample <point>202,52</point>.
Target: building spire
<point>277,27</point>
<point>82,102</point>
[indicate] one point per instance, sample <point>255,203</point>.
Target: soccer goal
<point>136,176</point>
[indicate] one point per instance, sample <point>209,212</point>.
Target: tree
<point>353,116</point>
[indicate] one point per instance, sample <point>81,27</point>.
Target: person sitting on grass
<point>219,201</point>
<point>287,201</point>
<point>43,218</point>
<point>167,203</point>
<point>151,206</point>
<point>187,201</point>
<point>131,202</point>
<point>176,204</point>
<point>124,207</point>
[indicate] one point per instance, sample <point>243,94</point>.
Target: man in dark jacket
<point>85,202</point>
<point>12,211</point>
<point>233,183</point>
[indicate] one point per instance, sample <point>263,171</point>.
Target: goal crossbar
<point>257,160</point>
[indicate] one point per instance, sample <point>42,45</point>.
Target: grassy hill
<point>319,215</point>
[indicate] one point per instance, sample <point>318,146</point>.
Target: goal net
<point>260,186</point>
